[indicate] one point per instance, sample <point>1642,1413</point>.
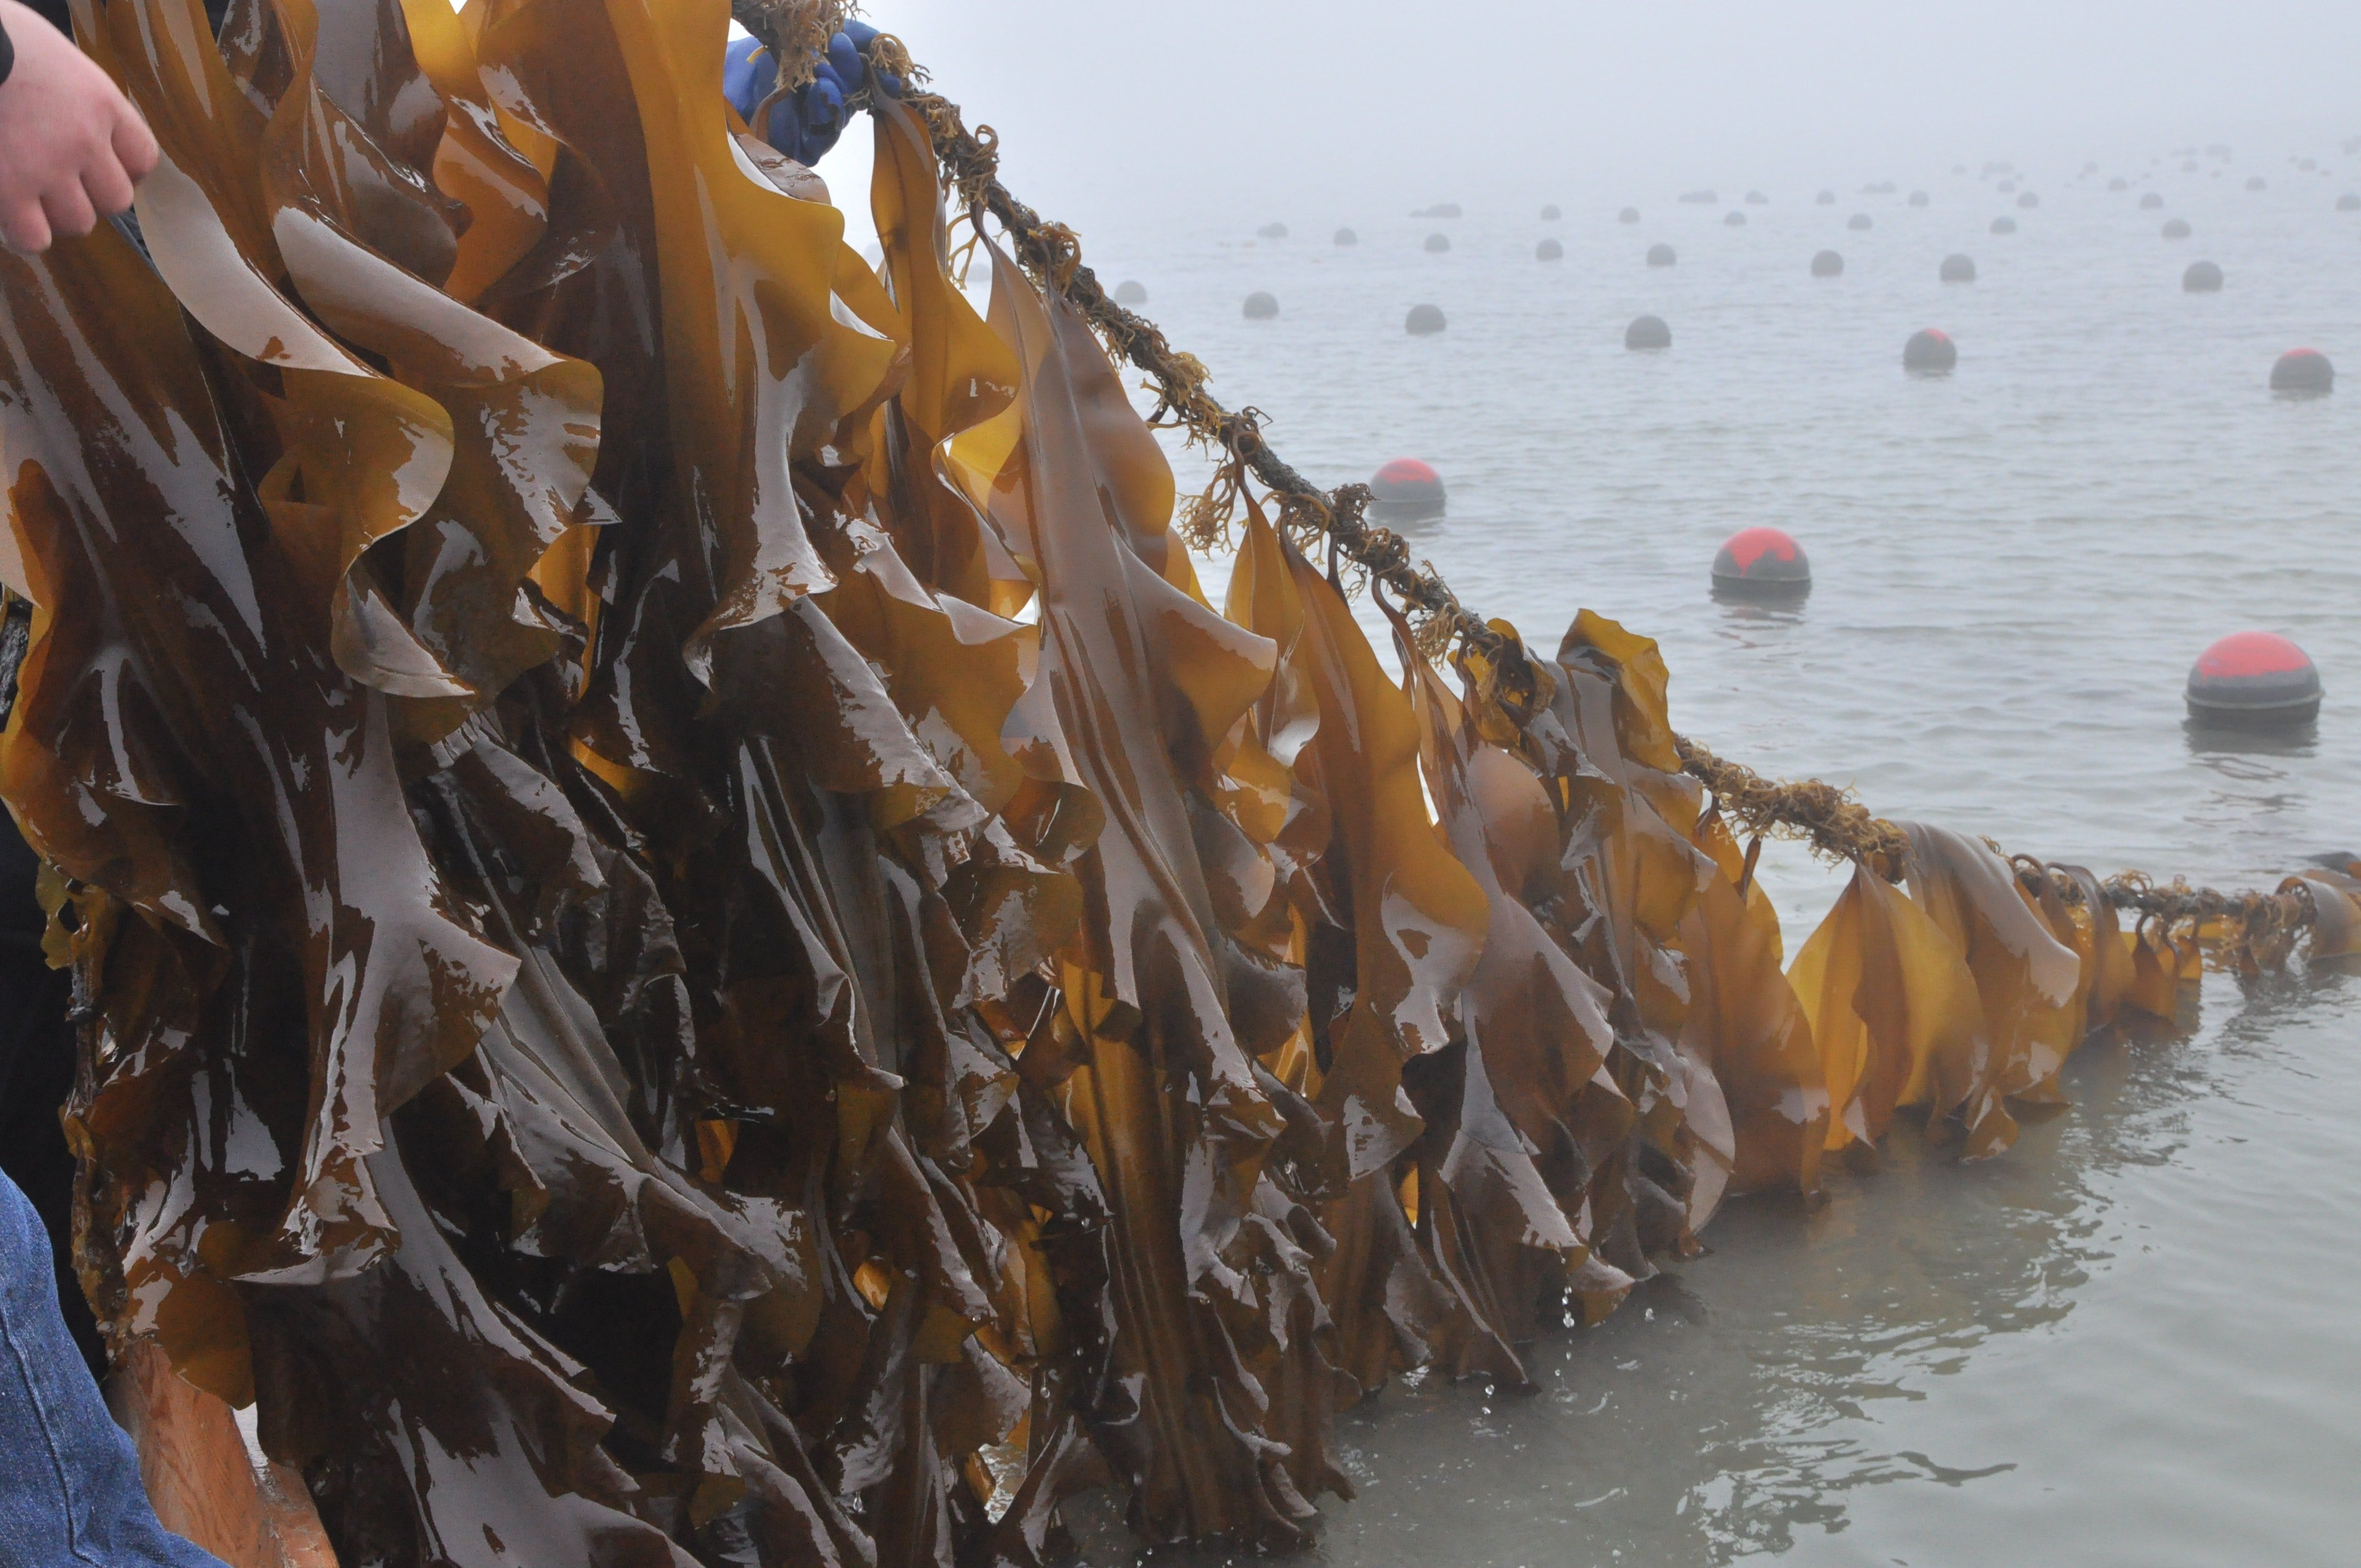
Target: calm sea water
<point>2130,1340</point>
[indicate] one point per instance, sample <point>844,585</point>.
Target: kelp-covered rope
<point>1840,827</point>
<point>1051,254</point>
<point>1826,818</point>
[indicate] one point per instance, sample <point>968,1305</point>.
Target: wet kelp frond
<point>695,944</point>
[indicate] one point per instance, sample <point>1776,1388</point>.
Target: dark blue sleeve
<point>69,1490</point>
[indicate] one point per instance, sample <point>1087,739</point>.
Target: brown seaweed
<point>698,945</point>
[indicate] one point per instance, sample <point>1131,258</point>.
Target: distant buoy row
<point>2300,372</point>
<point>2249,680</point>
<point>2028,200</point>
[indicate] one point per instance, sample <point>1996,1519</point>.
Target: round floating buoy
<point>1661,255</point>
<point>1648,331</point>
<point>2255,183</point>
<point>1828,264</point>
<point>1919,198</point>
<point>1437,244</point>
<point>1757,199</point>
<point>1760,564</point>
<point>2253,680</point>
<point>1406,490</point>
<point>1271,231</point>
<point>2153,200</point>
<point>1930,353</point>
<point>1958,269</point>
<point>2004,225</point>
<point>1424,321</point>
<point>2203,278</point>
<point>1550,213</point>
<point>1130,291</point>
<point>1549,250</point>
<point>2177,229</point>
<point>1628,215</point>
<point>2348,203</point>
<point>1858,222</point>
<point>2029,200</point>
<point>2303,371</point>
<point>1346,236</point>
<point>2119,183</point>
<point>1736,219</point>
<point>1826,198</point>
<point>1261,307</point>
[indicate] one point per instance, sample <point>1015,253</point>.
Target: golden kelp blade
<point>1893,1010</point>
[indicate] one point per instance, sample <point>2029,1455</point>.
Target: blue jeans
<point>69,1489</point>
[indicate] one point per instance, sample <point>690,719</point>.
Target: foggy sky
<point>1103,103</point>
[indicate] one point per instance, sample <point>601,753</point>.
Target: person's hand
<point>70,143</point>
<point>807,123</point>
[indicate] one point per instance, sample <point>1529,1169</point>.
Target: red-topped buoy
<point>1930,353</point>
<point>1762,563</point>
<point>2253,680</point>
<point>1406,490</point>
<point>2303,371</point>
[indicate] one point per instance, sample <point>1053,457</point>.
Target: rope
<point>1836,825</point>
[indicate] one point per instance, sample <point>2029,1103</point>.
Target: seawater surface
<point>2131,1338</point>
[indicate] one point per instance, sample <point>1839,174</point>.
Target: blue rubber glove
<point>805,125</point>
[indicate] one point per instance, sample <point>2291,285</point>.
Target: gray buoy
<point>1424,321</point>
<point>1130,291</point>
<point>1858,222</point>
<point>2305,372</point>
<point>1550,213</point>
<point>2177,229</point>
<point>2203,278</point>
<point>1261,307</point>
<point>2256,183</point>
<point>2119,183</point>
<point>1437,244</point>
<point>1628,215</point>
<point>1828,264</point>
<point>1406,490</point>
<point>1757,199</point>
<point>2153,200</point>
<point>1346,236</point>
<point>1648,331</point>
<point>2004,225</point>
<point>1919,198</point>
<point>1736,219</point>
<point>2253,680</point>
<point>1826,198</point>
<point>2029,200</point>
<point>2348,203</point>
<point>1549,250</point>
<point>1271,231</point>
<point>1930,353</point>
<point>1761,563</point>
<point>1958,269</point>
<point>1661,255</point>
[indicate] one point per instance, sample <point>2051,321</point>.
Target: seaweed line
<point>1835,824</point>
